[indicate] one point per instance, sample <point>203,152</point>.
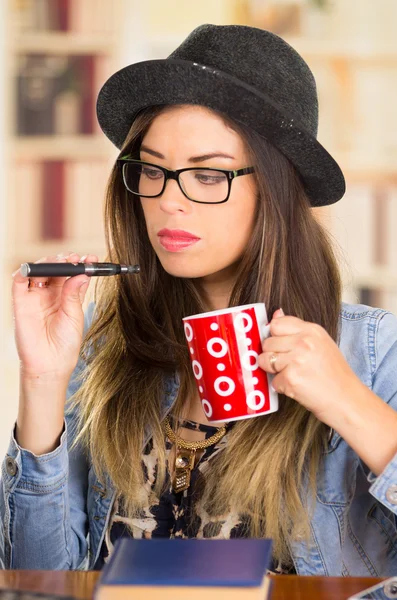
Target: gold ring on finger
<point>272,361</point>
<point>39,284</point>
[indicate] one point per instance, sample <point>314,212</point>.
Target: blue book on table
<point>188,568</point>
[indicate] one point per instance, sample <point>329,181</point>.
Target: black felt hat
<point>253,76</point>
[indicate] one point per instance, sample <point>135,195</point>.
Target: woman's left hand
<point>311,369</point>
<point>309,366</point>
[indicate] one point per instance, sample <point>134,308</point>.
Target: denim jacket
<point>54,512</point>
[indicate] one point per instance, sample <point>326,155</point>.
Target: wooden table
<point>286,587</point>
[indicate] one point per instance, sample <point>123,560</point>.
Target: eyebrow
<point>192,159</point>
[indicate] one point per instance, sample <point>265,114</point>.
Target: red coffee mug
<point>224,349</point>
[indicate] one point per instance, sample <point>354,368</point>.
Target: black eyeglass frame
<point>169,174</point>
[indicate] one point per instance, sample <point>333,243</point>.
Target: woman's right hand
<point>49,321</point>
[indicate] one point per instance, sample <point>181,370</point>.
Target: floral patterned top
<point>176,515</point>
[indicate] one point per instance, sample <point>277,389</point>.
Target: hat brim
<point>172,81</point>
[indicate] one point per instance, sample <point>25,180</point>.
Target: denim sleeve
<point>384,385</point>
<point>43,515</point>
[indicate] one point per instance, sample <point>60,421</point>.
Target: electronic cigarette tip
<point>134,268</point>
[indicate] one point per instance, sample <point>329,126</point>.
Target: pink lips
<point>175,240</point>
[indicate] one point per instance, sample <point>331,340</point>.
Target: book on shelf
<point>41,15</point>
<point>53,200</point>
<point>55,94</point>
<point>79,16</point>
<point>58,200</point>
<point>370,296</point>
<point>378,297</point>
<point>175,569</point>
<point>86,71</point>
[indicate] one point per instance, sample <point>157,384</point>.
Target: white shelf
<point>62,43</point>
<point>62,147</point>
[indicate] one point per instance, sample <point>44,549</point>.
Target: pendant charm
<point>184,463</point>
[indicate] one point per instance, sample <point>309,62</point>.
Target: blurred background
<point>54,161</point>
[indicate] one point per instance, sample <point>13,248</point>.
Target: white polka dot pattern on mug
<point>197,369</point>
<point>231,386</point>
<point>246,360</point>
<point>214,342</point>
<point>243,322</point>
<point>188,332</point>
<point>207,408</point>
<point>256,400</point>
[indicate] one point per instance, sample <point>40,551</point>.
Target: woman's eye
<point>152,173</point>
<point>209,179</point>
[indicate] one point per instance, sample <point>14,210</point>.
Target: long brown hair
<point>137,340</point>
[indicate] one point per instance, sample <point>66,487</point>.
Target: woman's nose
<point>173,200</point>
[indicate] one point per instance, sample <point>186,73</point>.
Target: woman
<point>212,196</point>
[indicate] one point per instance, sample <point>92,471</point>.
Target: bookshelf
<point>59,53</point>
<point>56,54</point>
<point>114,33</point>
<point>92,31</point>
<point>353,71</point>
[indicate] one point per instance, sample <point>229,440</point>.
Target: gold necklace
<point>186,453</point>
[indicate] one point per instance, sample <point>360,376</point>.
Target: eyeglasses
<point>206,186</point>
